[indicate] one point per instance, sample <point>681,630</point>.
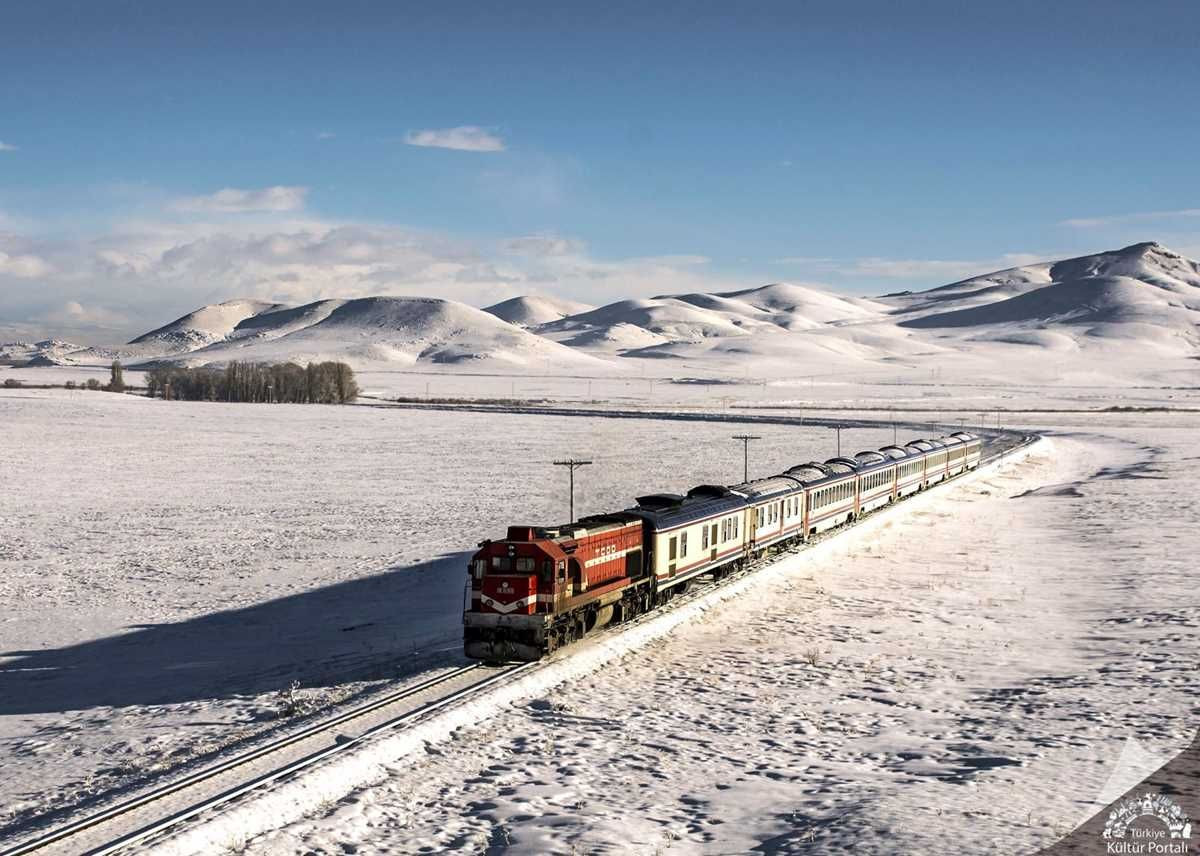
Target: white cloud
<point>1137,217</point>
<point>8,147</point>
<point>232,200</point>
<point>326,135</point>
<point>464,138</point>
<point>74,315</point>
<point>25,266</point>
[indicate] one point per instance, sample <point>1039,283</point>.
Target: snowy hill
<point>1143,295</point>
<point>770,309</point>
<point>203,327</point>
<point>364,331</point>
<point>49,352</point>
<point>532,310</point>
<point>1126,310</point>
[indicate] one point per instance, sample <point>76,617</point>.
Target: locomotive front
<point>513,588</point>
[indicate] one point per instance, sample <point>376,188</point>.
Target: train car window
<point>525,564</point>
<point>502,563</point>
<point>683,544</point>
<point>547,571</point>
<point>703,537</point>
<point>672,548</point>
<point>480,568</point>
<point>735,527</point>
<point>714,534</point>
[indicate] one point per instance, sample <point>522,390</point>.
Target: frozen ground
<point>167,567</point>
<point>972,680</point>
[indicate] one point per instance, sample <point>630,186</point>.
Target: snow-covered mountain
<point>363,331</point>
<point>532,310</point>
<point>49,352</point>
<point>770,309</point>
<point>1143,295</point>
<point>1124,307</point>
<point>206,325</point>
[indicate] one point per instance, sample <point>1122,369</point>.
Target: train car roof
<point>870,458</point>
<point>965,436</point>
<point>920,445</point>
<point>842,466</point>
<point>763,489</point>
<point>896,453</point>
<point>808,473</point>
<point>951,440</point>
<point>704,502</point>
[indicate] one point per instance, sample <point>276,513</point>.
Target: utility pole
<point>839,428</point>
<point>746,438</point>
<point>571,464</point>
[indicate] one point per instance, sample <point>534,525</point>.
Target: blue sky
<point>869,147</point>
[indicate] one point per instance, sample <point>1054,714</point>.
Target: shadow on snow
<point>399,622</point>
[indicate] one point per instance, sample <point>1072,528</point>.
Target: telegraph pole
<point>746,438</point>
<point>839,428</point>
<point>571,464</point>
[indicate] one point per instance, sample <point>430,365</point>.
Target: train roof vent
<point>708,491</point>
<point>524,533</point>
<point>659,500</point>
<point>845,462</point>
<point>894,452</point>
<point>812,471</point>
<point>869,457</point>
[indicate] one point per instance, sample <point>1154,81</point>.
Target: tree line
<point>286,383</point>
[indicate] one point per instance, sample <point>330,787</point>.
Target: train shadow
<point>402,621</point>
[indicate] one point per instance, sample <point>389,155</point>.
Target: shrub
<point>11,383</point>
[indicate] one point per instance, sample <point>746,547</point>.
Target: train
<point>540,588</point>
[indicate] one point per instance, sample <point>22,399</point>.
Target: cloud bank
<point>107,288</point>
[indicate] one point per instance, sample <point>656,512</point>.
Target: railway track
<point>143,816</point>
<point>140,817</point>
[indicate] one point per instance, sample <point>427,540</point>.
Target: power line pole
<point>571,464</point>
<point>839,428</point>
<point>746,438</point>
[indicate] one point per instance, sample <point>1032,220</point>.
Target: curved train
<point>541,588</point>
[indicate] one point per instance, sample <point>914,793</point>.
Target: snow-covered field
<point>980,676</point>
<point>971,674</point>
<point>166,568</point>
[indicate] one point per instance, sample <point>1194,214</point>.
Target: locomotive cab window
<point>525,565</point>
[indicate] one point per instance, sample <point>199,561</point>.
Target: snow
<point>531,310</point>
<point>338,533</point>
<point>979,670</point>
<point>1136,310</point>
<point>950,672</point>
<point>200,328</point>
